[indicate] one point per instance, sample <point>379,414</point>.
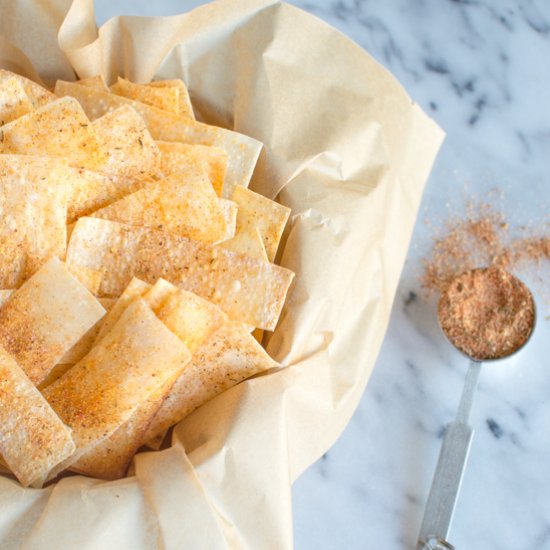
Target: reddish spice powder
<point>487,313</point>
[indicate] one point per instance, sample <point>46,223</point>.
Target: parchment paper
<point>349,152</point>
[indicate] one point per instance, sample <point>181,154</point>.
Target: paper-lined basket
<point>349,152</point>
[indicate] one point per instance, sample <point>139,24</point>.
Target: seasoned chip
<point>128,144</point>
<point>97,82</point>
<point>248,290</point>
<point>242,151</point>
<point>90,191</point>
<point>129,364</point>
<point>166,98</point>
<point>14,102</point>
<point>33,211</point>
<point>32,437</point>
<point>58,129</point>
<point>90,278</point>
<point>84,344</point>
<point>248,243</point>
<point>110,458</point>
<point>183,158</point>
<point>193,320</point>
<point>37,94</point>
<point>228,357</point>
<point>185,107</point>
<point>135,289</point>
<point>45,318</point>
<point>185,206</point>
<point>257,211</point>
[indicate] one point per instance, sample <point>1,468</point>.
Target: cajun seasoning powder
<point>487,313</point>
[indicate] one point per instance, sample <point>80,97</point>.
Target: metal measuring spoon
<point>455,448</point>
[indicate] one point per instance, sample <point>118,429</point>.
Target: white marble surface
<point>481,68</point>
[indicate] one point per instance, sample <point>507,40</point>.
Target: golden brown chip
<point>242,151</point>
<point>90,278</point>
<point>246,289</point>
<point>128,365</point>
<point>37,94</point>
<point>257,211</point>
<point>185,107</point>
<point>166,98</point>
<point>5,295</point>
<point>14,102</point>
<point>97,82</point>
<point>90,191</point>
<point>226,358</point>
<point>58,129</point>
<point>135,289</point>
<point>32,437</point>
<point>247,243</point>
<point>183,158</point>
<point>33,208</point>
<point>128,144</point>
<point>185,206</point>
<point>44,318</point>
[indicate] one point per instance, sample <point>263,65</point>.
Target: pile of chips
<point>137,270</point>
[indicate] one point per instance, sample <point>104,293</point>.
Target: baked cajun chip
<point>193,320</point>
<point>38,95</point>
<point>32,437</point>
<point>246,289</point>
<point>257,211</point>
<point>227,357</point>
<point>90,191</point>
<point>128,144</point>
<point>128,365</point>
<point>45,317</point>
<point>185,107</point>
<point>58,129</point>
<point>166,98</point>
<point>242,151</point>
<point>33,211</point>
<point>14,102</point>
<point>183,158</point>
<point>182,205</point>
<point>249,243</point>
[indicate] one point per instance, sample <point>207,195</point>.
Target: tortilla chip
<point>185,107</point>
<point>84,344</point>
<point>32,437</point>
<point>90,191</point>
<point>97,82</point>
<point>229,210</point>
<point>45,318</point>
<point>38,95</point>
<point>124,137</point>
<point>128,365</point>
<point>58,129</point>
<point>110,458</point>
<point>257,211</point>
<point>90,278</point>
<point>135,289</point>
<point>185,206</point>
<point>246,289</point>
<point>33,211</point>
<point>242,151</point>
<point>5,295</point>
<point>14,102</point>
<point>228,357</point>
<point>193,320</point>
<point>183,158</point>
<point>166,98</point>
<point>247,243</point>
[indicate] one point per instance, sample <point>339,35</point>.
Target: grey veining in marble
<point>481,68</point>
